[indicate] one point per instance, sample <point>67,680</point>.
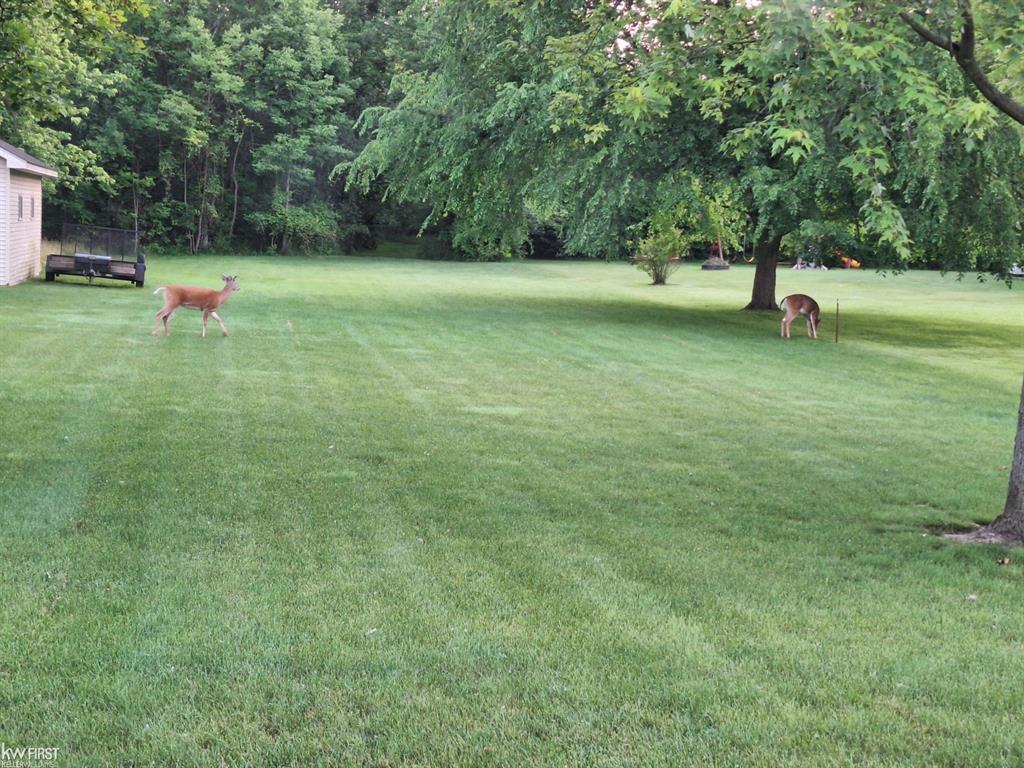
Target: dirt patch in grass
<point>981,534</point>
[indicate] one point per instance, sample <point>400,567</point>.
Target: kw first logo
<point>26,757</point>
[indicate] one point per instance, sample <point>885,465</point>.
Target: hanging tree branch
<point>963,53</point>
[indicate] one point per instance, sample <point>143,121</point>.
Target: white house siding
<point>24,234</point>
<point>5,182</point>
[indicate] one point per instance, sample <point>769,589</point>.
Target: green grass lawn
<point>525,514</point>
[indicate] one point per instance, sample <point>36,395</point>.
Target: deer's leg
<point>165,315</point>
<point>220,323</point>
<point>812,327</point>
<point>161,315</point>
<point>206,321</point>
<point>786,322</point>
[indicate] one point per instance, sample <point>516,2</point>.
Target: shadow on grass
<point>900,330</point>
<point>82,282</point>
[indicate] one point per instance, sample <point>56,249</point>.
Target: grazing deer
<point>800,304</point>
<point>205,300</point>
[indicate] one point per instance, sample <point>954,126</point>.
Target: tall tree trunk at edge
<point>1009,526</point>
<point>203,224</point>
<point>763,294</point>
<point>234,184</point>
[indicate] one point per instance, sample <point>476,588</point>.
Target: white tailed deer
<point>800,304</point>
<point>205,300</point>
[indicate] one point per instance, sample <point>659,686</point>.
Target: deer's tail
<point>161,288</point>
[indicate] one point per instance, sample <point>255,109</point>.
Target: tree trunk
<point>234,184</point>
<point>135,216</point>
<point>287,209</point>
<point>1009,526</point>
<point>184,202</point>
<point>135,198</point>
<point>202,237</point>
<point>204,232</point>
<point>763,294</point>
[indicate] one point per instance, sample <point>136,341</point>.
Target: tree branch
<point>932,37</point>
<point>963,53</point>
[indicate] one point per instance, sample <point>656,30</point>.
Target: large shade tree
<point>829,115</point>
<point>591,115</point>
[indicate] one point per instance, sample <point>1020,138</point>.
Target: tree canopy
<point>51,73</point>
<point>832,122</point>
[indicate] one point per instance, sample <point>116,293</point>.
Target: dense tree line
<point>207,124</point>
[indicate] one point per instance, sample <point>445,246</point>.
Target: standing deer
<point>205,300</point>
<point>800,304</point>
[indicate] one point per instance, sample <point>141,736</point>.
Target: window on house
<point>21,207</point>
<point>32,207</point>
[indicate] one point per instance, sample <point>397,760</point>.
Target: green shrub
<point>302,228</point>
<point>660,253</point>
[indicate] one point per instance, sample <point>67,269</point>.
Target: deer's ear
<point>224,277</point>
